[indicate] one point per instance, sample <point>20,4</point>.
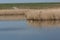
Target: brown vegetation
<point>35,14</point>
<point>12,11</point>
<point>43,14</point>
<point>19,17</point>
<point>12,14</point>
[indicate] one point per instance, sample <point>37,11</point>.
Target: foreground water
<point>28,30</point>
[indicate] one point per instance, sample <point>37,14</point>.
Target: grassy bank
<point>40,11</point>
<point>29,5</point>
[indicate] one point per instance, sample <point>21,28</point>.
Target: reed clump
<point>43,14</point>
<point>9,12</point>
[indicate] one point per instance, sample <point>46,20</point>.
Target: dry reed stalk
<point>12,11</point>
<point>43,14</point>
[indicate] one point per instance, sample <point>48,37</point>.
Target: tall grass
<point>43,14</point>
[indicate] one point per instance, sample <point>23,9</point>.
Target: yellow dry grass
<point>11,11</point>
<point>12,14</point>
<point>20,17</point>
<point>43,14</point>
<point>53,13</point>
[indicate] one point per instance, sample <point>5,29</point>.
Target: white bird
<point>15,8</point>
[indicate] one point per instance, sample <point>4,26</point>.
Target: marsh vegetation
<point>32,11</point>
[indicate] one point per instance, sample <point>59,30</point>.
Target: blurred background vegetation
<point>29,5</point>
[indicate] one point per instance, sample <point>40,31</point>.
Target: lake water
<point>29,30</point>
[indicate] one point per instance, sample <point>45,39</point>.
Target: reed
<point>12,12</point>
<point>43,14</point>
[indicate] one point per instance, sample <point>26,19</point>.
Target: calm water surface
<point>28,30</point>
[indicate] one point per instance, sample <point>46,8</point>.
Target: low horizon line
<point>28,2</point>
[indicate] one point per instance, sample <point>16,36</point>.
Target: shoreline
<point>38,14</point>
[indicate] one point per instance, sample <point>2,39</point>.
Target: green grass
<point>30,5</point>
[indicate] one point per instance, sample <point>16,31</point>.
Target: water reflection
<point>44,23</point>
<point>11,29</point>
<point>19,30</point>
